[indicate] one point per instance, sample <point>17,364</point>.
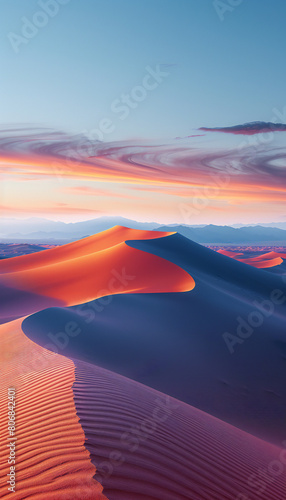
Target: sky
<point>139,76</point>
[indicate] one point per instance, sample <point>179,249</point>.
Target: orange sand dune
<point>270,255</point>
<point>270,259</point>
<point>80,248</point>
<point>94,267</point>
<point>52,462</point>
<point>263,264</point>
<point>228,253</point>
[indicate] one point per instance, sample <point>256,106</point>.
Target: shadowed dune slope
<point>84,270</point>
<point>206,264</point>
<point>52,462</point>
<point>186,344</point>
<point>142,444</point>
<point>147,446</point>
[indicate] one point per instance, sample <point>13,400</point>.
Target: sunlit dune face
<point>229,253</point>
<point>94,267</point>
<point>261,261</point>
<point>52,461</point>
<point>263,264</point>
<point>80,248</point>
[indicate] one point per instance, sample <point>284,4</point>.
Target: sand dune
<point>175,342</point>
<point>147,446</point>
<point>262,261</point>
<point>156,331</point>
<point>85,270</point>
<point>229,253</point>
<point>263,264</point>
<point>80,248</point>
<point>52,462</point>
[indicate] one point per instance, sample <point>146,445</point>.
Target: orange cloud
<point>232,178</point>
<point>90,191</point>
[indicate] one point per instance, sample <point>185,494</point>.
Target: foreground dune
<point>88,428</point>
<point>139,443</point>
<point>187,344</point>
<point>147,446</point>
<point>52,462</point>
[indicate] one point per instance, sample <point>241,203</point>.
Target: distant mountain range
<point>36,230</point>
<point>279,225</point>
<point>229,235</point>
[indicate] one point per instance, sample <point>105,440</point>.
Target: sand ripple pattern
<point>52,462</point>
<point>188,455</point>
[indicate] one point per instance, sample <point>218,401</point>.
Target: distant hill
<point>230,235</point>
<point>15,250</point>
<point>280,225</point>
<point>60,232</point>
<point>42,230</point>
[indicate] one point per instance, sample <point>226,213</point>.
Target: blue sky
<point>221,72</point>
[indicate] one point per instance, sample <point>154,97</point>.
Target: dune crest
<point>87,269</point>
<point>51,459</point>
<point>79,248</point>
<point>147,341</point>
